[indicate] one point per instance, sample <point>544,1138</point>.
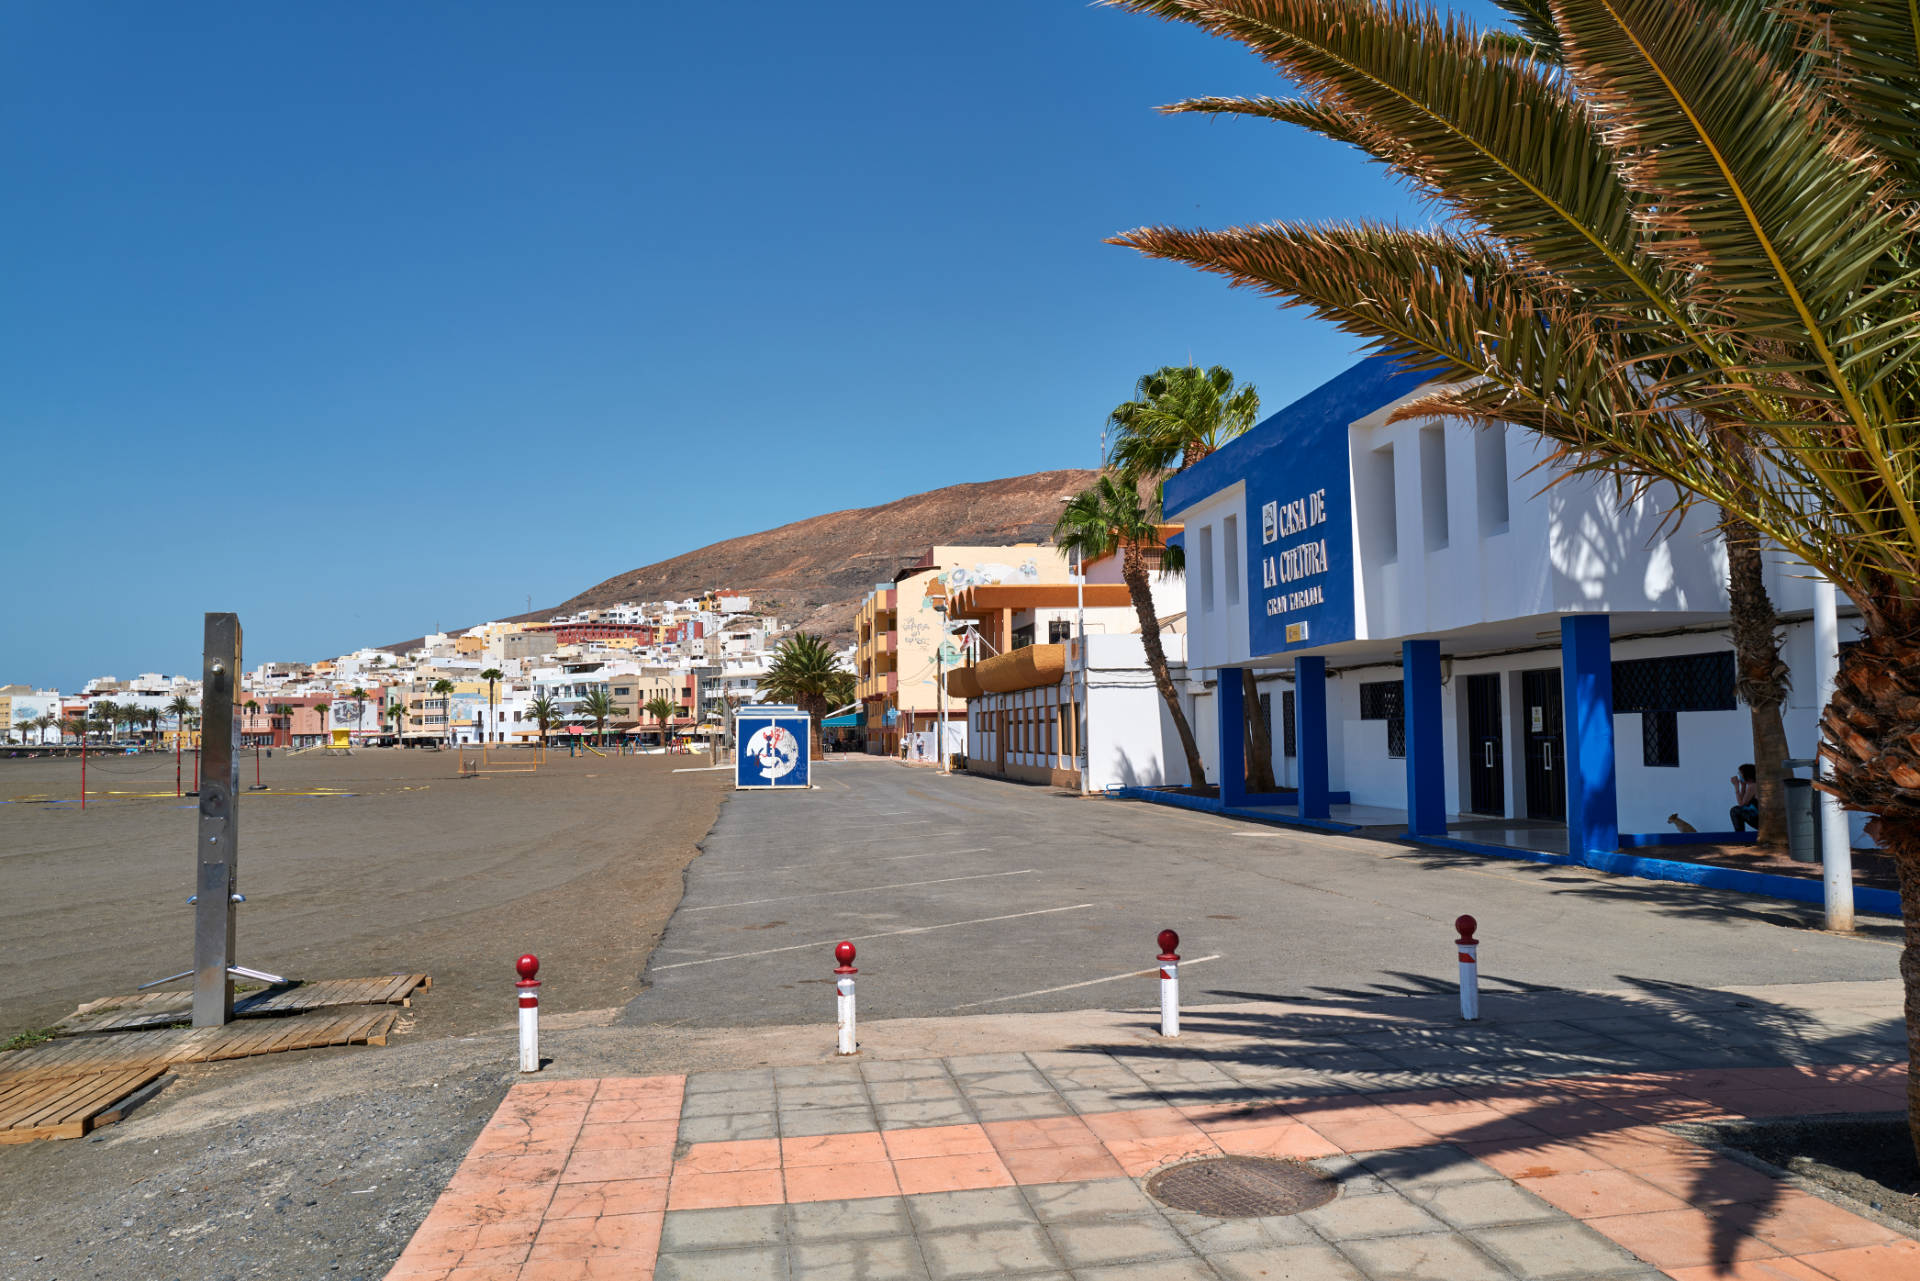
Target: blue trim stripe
<point>1208,805</point>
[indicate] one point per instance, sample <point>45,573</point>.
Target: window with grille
<point>1382,701</point>
<point>1289,744</point>
<point>1660,738</point>
<point>1679,683</point>
<point>1059,631</point>
<point>1266,717</point>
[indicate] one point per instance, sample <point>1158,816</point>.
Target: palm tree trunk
<point>1259,737</point>
<point>1133,568</point>
<point>1761,676</point>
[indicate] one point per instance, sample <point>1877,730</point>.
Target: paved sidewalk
<point>1033,1164</point>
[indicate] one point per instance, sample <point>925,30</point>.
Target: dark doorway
<point>1546,754</point>
<point>1486,747</point>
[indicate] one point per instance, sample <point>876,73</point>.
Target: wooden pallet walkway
<point>156,1050</point>
<point>65,1107</point>
<point>161,1009</point>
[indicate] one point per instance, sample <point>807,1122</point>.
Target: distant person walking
<point>1746,800</point>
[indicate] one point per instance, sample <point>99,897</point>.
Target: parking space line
<point>1068,987</point>
<point>885,934</point>
<point>865,889</point>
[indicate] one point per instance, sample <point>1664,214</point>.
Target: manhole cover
<point>1242,1187</point>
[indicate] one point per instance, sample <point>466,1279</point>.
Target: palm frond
<point>1868,55</point>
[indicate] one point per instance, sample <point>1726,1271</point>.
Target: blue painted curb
<point>1640,840</point>
<point>1793,888</point>
<point>1208,805</point>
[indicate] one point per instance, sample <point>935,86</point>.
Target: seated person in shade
<point>1746,801</point>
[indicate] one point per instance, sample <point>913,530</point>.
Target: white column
<point>1836,841</point>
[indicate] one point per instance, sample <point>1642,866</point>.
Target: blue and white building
<point>1444,634</point>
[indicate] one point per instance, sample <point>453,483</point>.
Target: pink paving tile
<point>1214,1117</point>
<point>626,1134</point>
<point>616,1196</point>
<point>1578,1116</point>
<point>1802,1224</point>
<point>951,1173</point>
<point>602,1269</point>
<point>730,1156</point>
<point>936,1140</point>
<point>634,1239</point>
<point>1478,1123</point>
<point>551,1090</point>
<point>1141,1156</point>
<point>1520,1159</point>
<point>490,1204</point>
<point>493,1272</point>
<point>1428,1102</point>
<point>1710,1181</point>
<point>1593,1193</point>
<point>1895,1261</point>
<point>1757,1102</point>
<point>1336,1108</point>
<point>1061,1164</point>
<point>841,1182</point>
<point>1043,1132</point>
<point>514,1137</point>
<point>644,1108</point>
<point>603,1164</point>
<point>1750,1270</point>
<point>635,1087</point>
<point>1679,1238</point>
<point>1301,1142</point>
<point>1369,1136</point>
<point>1141,1123</point>
<point>507,1171</point>
<point>832,1149</point>
<point>439,1248</point>
<point>709,1191</point>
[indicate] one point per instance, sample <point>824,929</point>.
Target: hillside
<point>814,572</point>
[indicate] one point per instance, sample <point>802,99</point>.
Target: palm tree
<point>179,709</point>
<point>492,676</point>
<point>397,714</point>
<point>598,707</point>
<point>75,725</point>
<point>546,713</point>
<point>806,672</point>
<point>251,707</point>
<point>25,725</point>
<point>662,710</point>
<point>1108,516</point>
<point>320,709</point>
<point>1180,415</point>
<point>359,695</point>
<point>44,722</point>
<point>152,716</point>
<point>1681,251</point>
<point>444,688</point>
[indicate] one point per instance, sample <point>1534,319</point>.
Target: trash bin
<point>1802,831</point>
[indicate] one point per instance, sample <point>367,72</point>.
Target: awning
<point>850,721</point>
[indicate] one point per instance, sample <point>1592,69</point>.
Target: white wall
<point>1131,740</point>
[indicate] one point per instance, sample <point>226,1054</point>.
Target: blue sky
<point>314,310</point>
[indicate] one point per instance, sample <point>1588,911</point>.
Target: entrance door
<point>1546,754</point>
<point>1486,746</point>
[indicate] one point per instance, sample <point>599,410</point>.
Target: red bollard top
<point>528,966</point>
<point>1466,925</point>
<point>843,952</point>
<point>1168,941</point>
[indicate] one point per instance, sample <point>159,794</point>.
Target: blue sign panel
<point>773,744</point>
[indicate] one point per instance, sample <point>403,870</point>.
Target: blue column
<point>1586,678</point>
<point>1310,735</point>
<point>1230,701</point>
<point>1426,759</point>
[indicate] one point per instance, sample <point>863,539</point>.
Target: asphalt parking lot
<point>971,895</point>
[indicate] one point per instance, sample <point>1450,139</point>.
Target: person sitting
<point>1746,800</point>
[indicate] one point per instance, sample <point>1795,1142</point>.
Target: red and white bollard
<point>529,989</point>
<point>843,952</point>
<point>1469,967</point>
<point>1169,984</point>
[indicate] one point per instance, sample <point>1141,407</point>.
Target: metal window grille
<point>1660,738</point>
<point>1383,701</point>
<point>1290,744</point>
<point>1680,683</point>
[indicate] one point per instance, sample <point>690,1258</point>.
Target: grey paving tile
<point>715,1129</point>
<point>817,1074</point>
<point>803,1122</point>
<point>1122,1100</point>
<point>1154,1270</point>
<point>1351,1218</point>
<point>883,1216</point>
<point>1435,1256</point>
<point>984,1252</point>
<point>903,1116</point>
<point>903,1069</point>
<point>725,1102</point>
<point>977,1064</point>
<point>847,1094</point>
<point>1085,1245</point>
<point>1556,1251</point>
<point>763,1263</point>
<point>731,1228</point>
<point>897,1259</point>
<point>989,1084</point>
<point>914,1090</point>
<point>1212,1236</point>
<point>1098,1199</point>
<point>1018,1107</point>
<point>738,1079</point>
<point>1479,1205</point>
<point>980,1208</point>
<point>1053,1060</point>
<point>1307,1262</point>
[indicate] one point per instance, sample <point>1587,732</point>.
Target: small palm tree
<point>806,672</point>
<point>179,709</point>
<point>492,676</point>
<point>396,713</point>
<point>321,709</point>
<point>1106,517</point>
<point>76,726</point>
<point>444,688</point>
<point>359,696</point>
<point>598,707</point>
<point>25,725</point>
<point>44,722</point>
<point>546,714</point>
<point>663,710</point>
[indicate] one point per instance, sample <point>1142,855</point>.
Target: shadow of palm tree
<point>1544,1069</point>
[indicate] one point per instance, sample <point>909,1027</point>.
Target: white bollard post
<point>843,986</point>
<point>1469,967</point>
<point>1836,838</point>
<point>1169,984</point>
<point>529,989</point>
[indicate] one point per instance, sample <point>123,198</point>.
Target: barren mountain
<point>814,572</point>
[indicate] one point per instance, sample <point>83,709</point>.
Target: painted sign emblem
<point>775,750</point>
